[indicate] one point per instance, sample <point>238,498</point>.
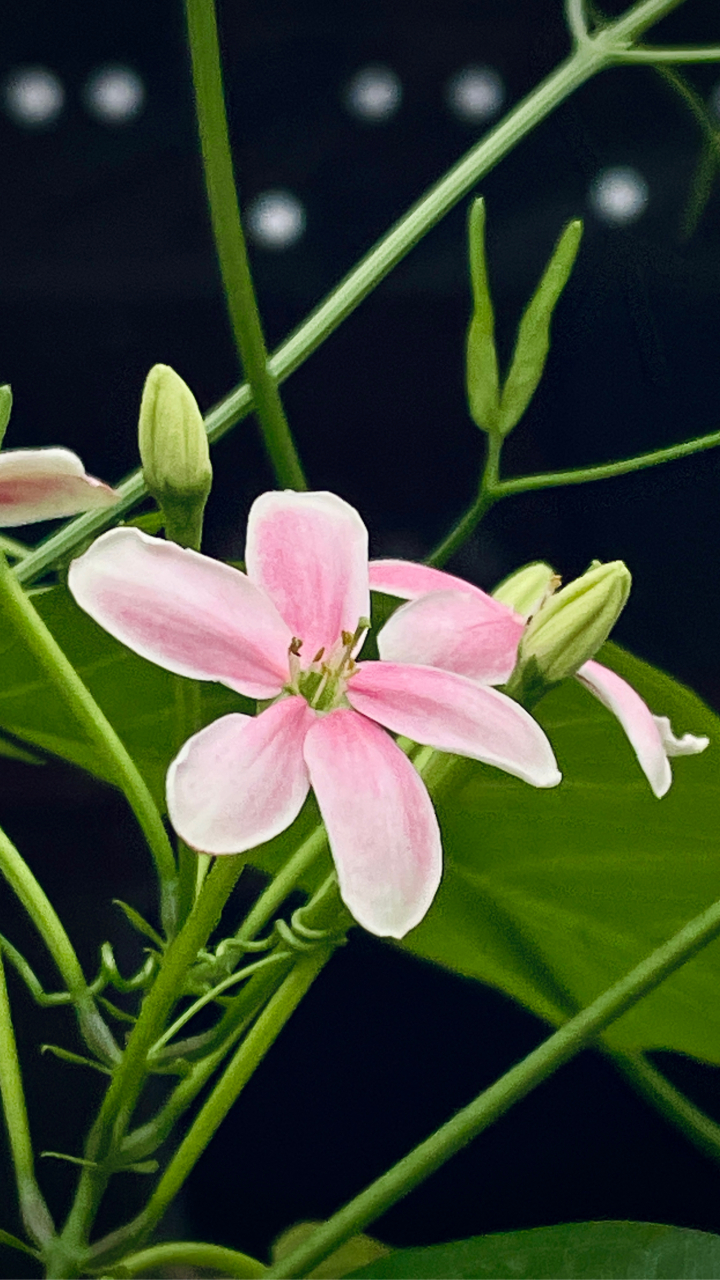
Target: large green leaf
<point>137,697</point>
<point>576,1251</point>
<point>553,895</point>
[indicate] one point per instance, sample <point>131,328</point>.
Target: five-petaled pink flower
<point>44,484</point>
<point>455,626</point>
<point>289,630</point>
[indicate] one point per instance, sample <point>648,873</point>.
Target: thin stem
<point>550,480</point>
<point>269,902</point>
<point>230,243</point>
<point>119,1101</point>
<point>654,57</point>
<point>575,18</point>
<point>33,1209</point>
<point>185,1255</point>
<point>48,924</point>
<point>509,1089</point>
<point>241,976</point>
<point>246,1059</point>
<point>487,497</point>
<point>19,611</point>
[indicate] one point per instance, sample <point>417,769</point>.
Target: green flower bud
<point>175,454</point>
<point>568,629</point>
<point>5,409</point>
<point>525,590</point>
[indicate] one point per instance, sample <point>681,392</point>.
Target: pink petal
<point>636,719</point>
<point>408,580</point>
<point>308,551</point>
<point>43,484</point>
<point>468,634</point>
<point>242,780</point>
<point>455,714</point>
<point>188,613</point>
<point>688,745</point>
<point>380,821</point>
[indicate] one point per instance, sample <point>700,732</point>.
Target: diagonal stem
<point>230,243</point>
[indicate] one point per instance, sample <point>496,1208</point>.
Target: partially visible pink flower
<point>289,630</point>
<point>43,484</point>
<point>449,623</point>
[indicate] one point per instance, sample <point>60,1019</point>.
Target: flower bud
<point>175,454</point>
<point>527,588</point>
<point>5,409</point>
<point>568,629</point>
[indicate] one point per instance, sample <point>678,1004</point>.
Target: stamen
<point>319,654</point>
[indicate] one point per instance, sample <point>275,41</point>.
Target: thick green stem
<point>34,1211</point>
<point>48,924</point>
<point>509,1089</point>
<point>19,611</point>
<point>230,243</point>
<point>269,902</point>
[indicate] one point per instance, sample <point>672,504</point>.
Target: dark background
<point>107,266</point>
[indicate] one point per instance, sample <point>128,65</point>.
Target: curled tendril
<point>109,975</point>
<point>302,938</point>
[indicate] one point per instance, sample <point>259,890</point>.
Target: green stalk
<point>492,1103</point>
<point>269,902</point>
<point>34,1211</point>
<point>594,55</point>
<point>48,924</point>
<point>121,1097</point>
<point>20,613</point>
<point>230,243</point>
<point>485,500</point>
<point>492,489</point>
<point>671,1102</point>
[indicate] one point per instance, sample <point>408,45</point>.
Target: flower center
<point>322,683</point>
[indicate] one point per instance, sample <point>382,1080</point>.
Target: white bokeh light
<point>374,94</point>
<point>33,96</point>
<point>115,95</point>
<point>619,195</point>
<point>275,219</point>
<point>475,94</point>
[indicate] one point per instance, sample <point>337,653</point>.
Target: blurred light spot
<point>619,195</point>
<point>374,94</point>
<point>114,95</point>
<point>475,93</point>
<point>714,101</point>
<point>276,219</point>
<point>33,96</point>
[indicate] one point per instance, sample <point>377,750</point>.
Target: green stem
<point>583,63</point>
<point>48,924</point>
<point>34,1211</point>
<point>550,480</point>
<point>20,612</point>
<point>509,1089</point>
<point>487,497</point>
<point>230,243</point>
<point>493,490</point>
<point>186,1255</point>
<point>188,720</point>
<point>246,1059</point>
<point>269,902</point>
<point>119,1101</point>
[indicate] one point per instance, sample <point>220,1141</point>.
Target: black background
<point>107,266</point>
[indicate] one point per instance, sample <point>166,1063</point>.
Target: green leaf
<point>358,1251</point>
<point>576,1251</point>
<point>136,696</point>
<point>13,752</point>
<point>481,357</point>
<point>552,896</point>
<point>533,340</point>
<point>6,401</point>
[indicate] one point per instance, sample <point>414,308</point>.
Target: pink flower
<point>289,630</point>
<point>43,484</point>
<point>455,626</point>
